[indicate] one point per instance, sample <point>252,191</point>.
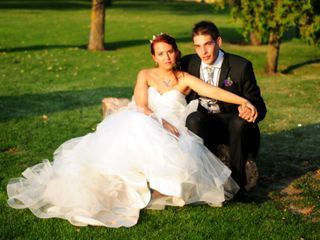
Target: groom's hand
<point>247,113</point>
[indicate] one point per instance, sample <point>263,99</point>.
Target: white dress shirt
<point>216,69</point>
<point>208,103</point>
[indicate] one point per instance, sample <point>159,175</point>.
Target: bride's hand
<point>169,127</point>
<point>248,112</point>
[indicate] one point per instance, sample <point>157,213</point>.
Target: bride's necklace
<point>166,82</point>
<point>166,78</point>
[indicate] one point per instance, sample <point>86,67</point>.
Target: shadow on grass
<point>40,48</point>
<point>110,46</point>
<point>30,105</point>
<point>286,156</point>
<point>45,5</point>
<point>298,65</point>
<point>230,35</point>
<point>180,8</point>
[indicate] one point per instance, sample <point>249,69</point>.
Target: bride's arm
<point>141,92</point>
<point>210,91</point>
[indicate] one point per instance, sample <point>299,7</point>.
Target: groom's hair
<point>205,28</point>
<point>163,37</point>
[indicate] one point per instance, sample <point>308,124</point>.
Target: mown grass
<point>51,89</point>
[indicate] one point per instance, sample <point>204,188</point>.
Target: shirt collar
<point>217,63</point>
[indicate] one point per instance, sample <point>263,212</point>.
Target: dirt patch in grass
<point>300,196</point>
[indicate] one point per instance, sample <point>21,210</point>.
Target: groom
<point>218,122</point>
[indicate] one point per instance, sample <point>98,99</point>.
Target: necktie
<point>208,103</point>
<point>210,74</point>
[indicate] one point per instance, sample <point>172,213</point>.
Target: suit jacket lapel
<point>225,68</point>
<point>196,67</point>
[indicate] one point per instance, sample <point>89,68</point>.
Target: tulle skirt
<point>106,177</point>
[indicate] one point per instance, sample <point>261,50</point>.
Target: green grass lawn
<point>46,71</point>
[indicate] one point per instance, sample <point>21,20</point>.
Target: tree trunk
<point>254,39</point>
<point>273,53</point>
<point>96,37</point>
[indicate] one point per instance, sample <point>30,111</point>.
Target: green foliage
<point>253,17</point>
<point>309,24</point>
<point>266,17</point>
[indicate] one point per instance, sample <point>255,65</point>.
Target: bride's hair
<point>163,37</point>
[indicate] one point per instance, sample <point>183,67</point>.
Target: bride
<point>140,157</point>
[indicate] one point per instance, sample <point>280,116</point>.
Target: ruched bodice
<point>170,105</point>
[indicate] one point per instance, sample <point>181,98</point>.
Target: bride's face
<point>164,55</point>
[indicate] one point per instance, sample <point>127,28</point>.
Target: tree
<point>310,24</point>
<point>96,37</point>
<point>249,13</point>
<point>268,20</point>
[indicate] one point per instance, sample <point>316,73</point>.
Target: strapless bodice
<point>170,105</point>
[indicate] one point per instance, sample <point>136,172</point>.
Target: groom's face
<point>207,48</point>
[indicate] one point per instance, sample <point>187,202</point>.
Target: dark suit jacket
<point>236,76</point>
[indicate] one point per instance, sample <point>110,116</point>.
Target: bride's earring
<point>156,64</point>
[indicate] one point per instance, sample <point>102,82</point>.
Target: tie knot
<point>210,69</point>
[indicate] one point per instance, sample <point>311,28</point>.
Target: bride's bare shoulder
<point>182,76</point>
<point>146,72</point>
<point>146,75</point>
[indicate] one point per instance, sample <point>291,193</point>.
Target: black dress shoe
<point>243,196</point>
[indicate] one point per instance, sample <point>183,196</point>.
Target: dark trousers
<point>242,137</point>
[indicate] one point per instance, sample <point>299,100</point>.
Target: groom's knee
<point>248,132</point>
<point>194,122</point>
<point>239,126</point>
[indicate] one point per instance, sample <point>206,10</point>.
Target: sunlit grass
<point>51,90</point>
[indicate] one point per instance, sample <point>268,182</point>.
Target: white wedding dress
<point>104,178</point>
